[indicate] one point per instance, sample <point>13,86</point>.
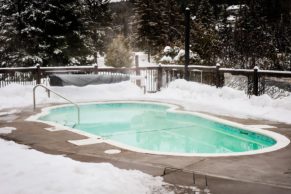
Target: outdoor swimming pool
<point>161,129</point>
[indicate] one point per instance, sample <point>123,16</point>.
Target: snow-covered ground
<point>28,171</point>
<point>226,101</point>
<point>193,96</point>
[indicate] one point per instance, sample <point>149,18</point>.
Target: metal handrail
<point>40,85</point>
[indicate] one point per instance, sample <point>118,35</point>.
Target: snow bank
<point>28,171</point>
<point>16,95</point>
<point>193,96</point>
<point>6,130</point>
<point>226,101</point>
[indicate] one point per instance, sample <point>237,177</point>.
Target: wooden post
<point>256,81</point>
<point>167,77</point>
<point>137,70</point>
<point>38,74</point>
<point>217,76</point>
<point>160,77</point>
<point>187,43</point>
<point>96,69</point>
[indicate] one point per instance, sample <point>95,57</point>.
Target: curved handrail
<point>40,85</point>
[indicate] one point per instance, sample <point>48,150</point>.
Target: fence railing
<point>156,76</point>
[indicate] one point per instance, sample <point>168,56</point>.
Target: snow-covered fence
<point>37,75</point>
<point>156,77</point>
<point>257,81</point>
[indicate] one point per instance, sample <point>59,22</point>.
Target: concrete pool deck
<point>262,173</point>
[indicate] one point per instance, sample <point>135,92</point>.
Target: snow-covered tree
<point>158,23</point>
<point>48,33</point>
<point>173,21</point>
<point>204,36</point>
<point>252,35</point>
<point>204,14</point>
<point>12,34</point>
<point>119,53</point>
<point>148,23</point>
<point>64,33</point>
<point>96,16</point>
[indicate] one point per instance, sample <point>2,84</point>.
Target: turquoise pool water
<point>151,127</point>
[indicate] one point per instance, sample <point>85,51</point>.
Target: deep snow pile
<point>274,88</point>
<point>193,96</point>
<point>28,171</point>
<point>16,95</point>
<point>226,101</point>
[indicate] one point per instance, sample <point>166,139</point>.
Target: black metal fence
<point>156,77</point>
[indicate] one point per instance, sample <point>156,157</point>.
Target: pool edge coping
<point>281,140</point>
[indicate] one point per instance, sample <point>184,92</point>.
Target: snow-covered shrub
<point>167,55</point>
<point>179,58</point>
<point>31,60</point>
<point>176,55</point>
<point>166,59</point>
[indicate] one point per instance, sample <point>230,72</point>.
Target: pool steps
<point>88,141</point>
<point>59,95</point>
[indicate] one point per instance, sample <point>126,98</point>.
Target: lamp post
<point>187,42</point>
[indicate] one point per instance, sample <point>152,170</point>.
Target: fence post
<point>137,70</point>
<point>256,81</point>
<point>96,69</point>
<point>217,76</point>
<point>38,74</point>
<point>160,77</point>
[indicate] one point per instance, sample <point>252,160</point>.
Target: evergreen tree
<point>205,42</point>
<point>64,33</point>
<point>119,53</point>
<point>7,28</point>
<point>252,35</point>
<point>45,33</point>
<point>204,14</point>
<point>173,22</point>
<point>204,37</point>
<point>14,30</point>
<point>96,16</point>
<point>225,31</point>
<point>148,22</point>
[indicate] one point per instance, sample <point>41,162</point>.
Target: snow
<point>231,18</point>
<point>32,58</point>
<point>194,96</point>
<point>166,59</point>
<point>74,61</point>
<point>57,51</point>
<point>181,54</point>
<point>226,101</point>
<point>235,7</point>
<point>27,171</point>
<point>168,49</point>
<point>113,1</point>
<point>21,96</point>
<point>143,59</point>
<point>21,168</point>
<point>6,130</point>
